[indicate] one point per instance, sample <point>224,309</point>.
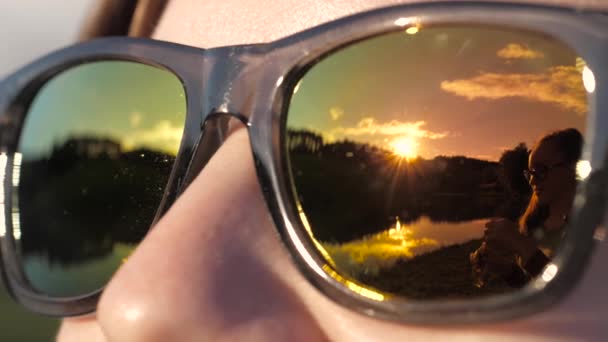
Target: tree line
<point>350,189</point>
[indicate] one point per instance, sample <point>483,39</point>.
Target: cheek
<point>80,329</point>
<point>557,184</point>
<point>561,178</point>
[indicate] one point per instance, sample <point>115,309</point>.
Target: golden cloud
<point>135,119</point>
<point>164,137</point>
<point>561,85</point>
<point>369,126</point>
<point>336,113</point>
<point>516,51</point>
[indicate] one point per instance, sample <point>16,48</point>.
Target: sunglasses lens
<point>95,154</point>
<point>404,148</point>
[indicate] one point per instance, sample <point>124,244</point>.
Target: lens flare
<point>412,30</point>
<point>405,147</point>
<point>583,169</point>
<point>589,80</point>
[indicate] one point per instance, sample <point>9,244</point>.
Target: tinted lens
<point>97,148</point>
<point>403,148</point>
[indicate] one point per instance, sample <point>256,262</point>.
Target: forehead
<point>545,153</point>
<point>226,22</point>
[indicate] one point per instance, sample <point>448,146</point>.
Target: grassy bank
<point>443,273</point>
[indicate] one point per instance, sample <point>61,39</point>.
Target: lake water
<point>401,241</point>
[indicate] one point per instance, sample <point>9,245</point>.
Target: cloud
<point>336,113</point>
<point>561,85</point>
<point>369,126</point>
<point>164,136</point>
<point>135,119</point>
<point>516,51</point>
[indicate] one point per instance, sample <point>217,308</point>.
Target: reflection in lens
<point>97,146</point>
<point>405,148</point>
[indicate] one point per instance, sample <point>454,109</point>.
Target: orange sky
<point>457,90</point>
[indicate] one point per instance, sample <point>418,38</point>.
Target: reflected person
<point>530,244</point>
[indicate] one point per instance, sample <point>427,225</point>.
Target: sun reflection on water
<point>380,251</point>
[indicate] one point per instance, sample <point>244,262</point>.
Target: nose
<point>533,180</point>
<point>212,269</point>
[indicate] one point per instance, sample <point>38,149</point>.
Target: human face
<point>213,268</point>
<point>552,178</point>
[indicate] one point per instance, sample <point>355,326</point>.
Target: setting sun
<point>405,147</point>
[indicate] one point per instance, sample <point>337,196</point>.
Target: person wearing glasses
<point>551,174</point>
<point>106,138</point>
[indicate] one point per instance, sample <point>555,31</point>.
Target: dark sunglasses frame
<point>254,83</point>
<point>541,173</point>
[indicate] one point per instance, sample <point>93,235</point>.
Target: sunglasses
<point>383,142</point>
<point>541,172</point>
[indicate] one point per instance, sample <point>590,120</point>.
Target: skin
<point>556,189</point>
<point>196,277</point>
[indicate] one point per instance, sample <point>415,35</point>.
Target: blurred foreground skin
<point>213,269</point>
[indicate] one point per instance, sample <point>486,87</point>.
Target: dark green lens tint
<point>97,148</point>
<point>404,147</point>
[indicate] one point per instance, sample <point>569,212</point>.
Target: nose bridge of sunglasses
<point>230,75</point>
<point>216,129</point>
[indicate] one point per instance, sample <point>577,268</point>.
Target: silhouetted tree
<point>350,189</point>
<point>303,141</point>
<point>512,165</point>
<point>86,195</point>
